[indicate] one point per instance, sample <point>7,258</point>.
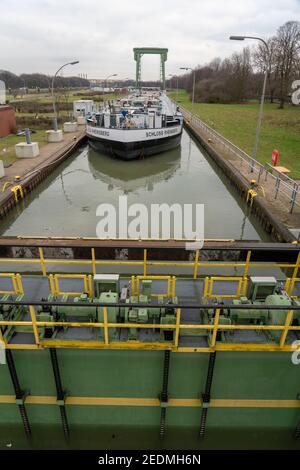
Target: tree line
<point>40,81</point>
<point>239,78</point>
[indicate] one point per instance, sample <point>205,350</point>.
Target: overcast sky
<point>40,35</point>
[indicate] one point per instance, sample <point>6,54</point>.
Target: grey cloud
<point>38,35</point>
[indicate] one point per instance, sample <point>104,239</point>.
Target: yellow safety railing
<point>55,287</point>
<point>16,281</point>
<point>106,342</point>
<point>93,263</point>
<point>171,285</point>
<point>209,286</point>
<point>195,264</point>
<point>290,285</point>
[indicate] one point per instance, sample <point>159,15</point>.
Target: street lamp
<point>262,100</point>
<point>193,93</point>
<point>105,80</point>
<point>170,75</point>
<point>52,91</point>
<point>176,88</point>
<point>24,85</point>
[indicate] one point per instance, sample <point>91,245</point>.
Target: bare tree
<point>261,60</point>
<point>240,69</point>
<point>287,56</point>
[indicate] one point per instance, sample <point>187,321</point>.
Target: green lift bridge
<point>140,51</point>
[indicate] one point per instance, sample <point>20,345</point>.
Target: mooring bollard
<point>27,149</point>
<point>2,170</point>
<point>27,136</point>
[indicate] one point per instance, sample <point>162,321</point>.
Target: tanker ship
<point>144,124</point>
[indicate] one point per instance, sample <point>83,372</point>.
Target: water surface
<point>65,204</point>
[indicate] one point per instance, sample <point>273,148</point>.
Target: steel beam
<point>61,395</point>
<point>164,396</point>
<point>206,394</point>
<point>20,394</point>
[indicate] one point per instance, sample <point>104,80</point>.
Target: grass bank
<point>7,145</point>
<point>40,121</point>
<point>237,122</point>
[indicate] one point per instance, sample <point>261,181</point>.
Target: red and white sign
<point>275,156</point>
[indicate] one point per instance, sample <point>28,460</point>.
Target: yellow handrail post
<point>19,284</point>
<point>173,286</point>
<point>15,284</point>
<point>239,288</point>
<point>210,287</point>
<point>196,264</point>
<point>2,339</point>
<point>215,329</point>
<point>94,266</point>
<point>177,327</point>
<point>52,285</point>
<point>288,321</point>
<point>294,275</point>
<point>35,328</point>
<point>90,282</point>
<point>169,287</point>
<point>145,263</point>
<point>106,337</point>
<point>56,284</point>
<point>205,287</point>
<point>85,285</point>
<point>42,261</point>
<point>246,269</point>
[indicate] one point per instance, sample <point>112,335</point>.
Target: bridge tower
<point>140,51</point>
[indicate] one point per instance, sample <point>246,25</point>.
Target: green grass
<point>8,143</point>
<point>237,122</point>
<point>47,97</point>
<point>7,150</point>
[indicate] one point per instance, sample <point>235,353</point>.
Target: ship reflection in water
<point>130,176</point>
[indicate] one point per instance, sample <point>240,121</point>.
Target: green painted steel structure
<point>114,398</point>
<point>140,51</point>
<point>138,374</point>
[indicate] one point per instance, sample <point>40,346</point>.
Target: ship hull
<point>130,145</point>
